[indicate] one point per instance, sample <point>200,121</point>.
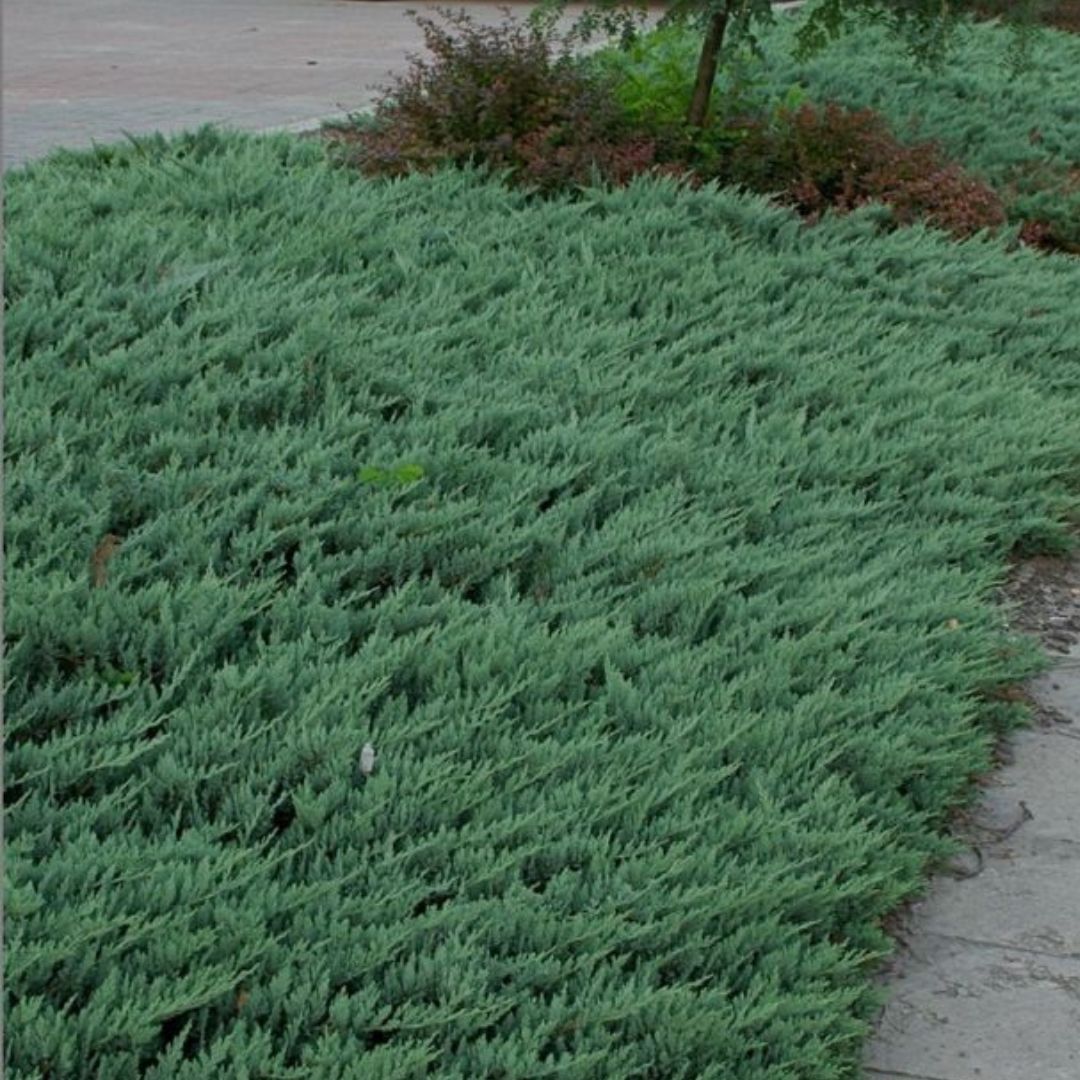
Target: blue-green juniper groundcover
<point>649,537</point>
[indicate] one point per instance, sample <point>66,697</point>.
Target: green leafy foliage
<point>922,31</point>
<point>675,663</point>
<point>651,81</point>
<point>398,475</point>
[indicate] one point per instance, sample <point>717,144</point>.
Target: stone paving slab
<point>1053,812</point>
<point>986,983</point>
<point>1037,754</point>
<point>964,1013</point>
<point>1022,898</point>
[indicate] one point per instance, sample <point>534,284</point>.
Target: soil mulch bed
<point>1045,594</point>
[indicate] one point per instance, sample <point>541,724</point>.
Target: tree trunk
<point>706,69</point>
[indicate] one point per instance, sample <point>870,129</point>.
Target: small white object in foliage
<point>367,759</point>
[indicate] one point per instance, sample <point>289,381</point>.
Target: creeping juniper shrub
<point>546,635</point>
<point>509,96</point>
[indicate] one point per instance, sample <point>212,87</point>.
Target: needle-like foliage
<point>648,539</point>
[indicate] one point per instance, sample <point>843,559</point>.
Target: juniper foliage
<point>672,632</point>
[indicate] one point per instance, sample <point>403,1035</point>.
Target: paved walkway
<point>80,71</point>
<point>987,982</point>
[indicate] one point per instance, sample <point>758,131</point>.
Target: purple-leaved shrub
<point>510,96</point>
<point>836,158</point>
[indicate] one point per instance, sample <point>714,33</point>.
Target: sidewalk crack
<point>874,1071</point>
<point>1002,947</point>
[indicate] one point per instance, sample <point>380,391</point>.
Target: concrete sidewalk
<point>986,983</point>
<point>82,71</point>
